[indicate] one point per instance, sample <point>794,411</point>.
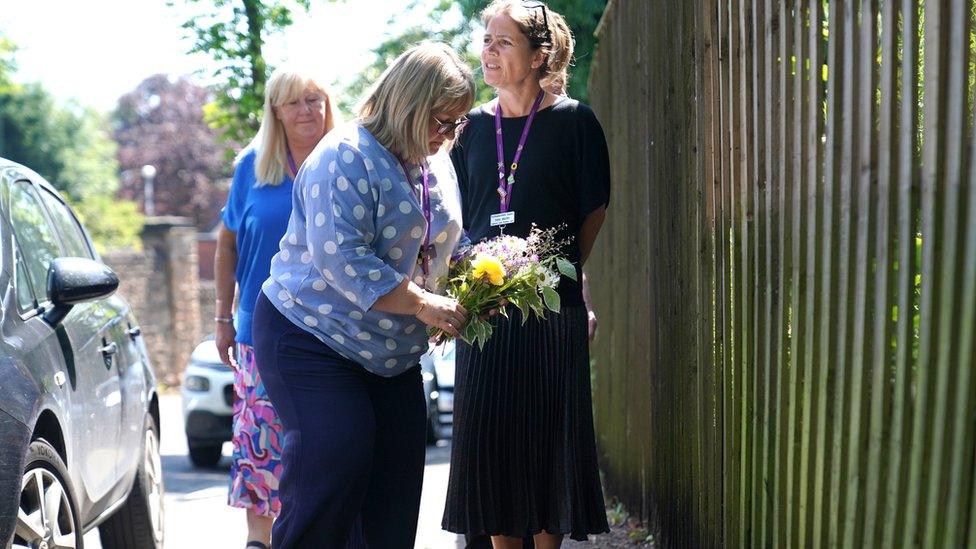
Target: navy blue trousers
<point>354,442</point>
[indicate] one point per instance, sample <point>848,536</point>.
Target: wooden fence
<point>787,278</point>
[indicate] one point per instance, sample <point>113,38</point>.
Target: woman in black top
<point>524,457</point>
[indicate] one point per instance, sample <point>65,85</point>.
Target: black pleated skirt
<point>523,459</point>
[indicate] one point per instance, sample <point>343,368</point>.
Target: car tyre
<point>206,455</point>
<point>45,481</point>
<point>138,524</point>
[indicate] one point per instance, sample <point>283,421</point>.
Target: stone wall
<point>162,285</point>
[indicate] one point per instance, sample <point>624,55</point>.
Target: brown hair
<point>545,29</point>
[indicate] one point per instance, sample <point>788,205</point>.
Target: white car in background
<point>437,368</point>
<point>208,404</point>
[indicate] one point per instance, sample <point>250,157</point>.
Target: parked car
<point>79,414</point>
<point>437,369</point>
<point>208,404</point>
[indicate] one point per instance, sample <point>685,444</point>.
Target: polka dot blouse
<point>356,230</point>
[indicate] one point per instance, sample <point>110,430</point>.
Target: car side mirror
<point>74,280</point>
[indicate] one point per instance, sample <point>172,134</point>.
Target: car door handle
<point>109,348</point>
<point>134,332</point>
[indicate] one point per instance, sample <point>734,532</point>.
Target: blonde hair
<point>555,40</point>
<point>425,79</point>
<point>270,142</point>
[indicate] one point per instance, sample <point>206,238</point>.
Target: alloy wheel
<point>154,480</point>
<point>45,519</point>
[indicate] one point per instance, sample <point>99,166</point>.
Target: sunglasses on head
<point>444,128</point>
<point>536,4</point>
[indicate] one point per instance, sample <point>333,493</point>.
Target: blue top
<point>355,232</point>
<point>258,216</point>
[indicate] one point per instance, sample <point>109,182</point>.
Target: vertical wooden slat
<point>967,356</point>
<point>813,125</point>
<point>962,473</point>
<point>885,293</point>
<point>902,416</point>
<point>927,438</point>
<point>953,93</point>
<point>829,284</point>
<point>843,317</point>
<point>862,184</point>
<point>723,249</point>
<point>710,326</point>
<point>768,286</point>
<point>797,45</point>
<point>783,363</point>
<point>736,174</point>
<point>746,329</point>
<point>759,319</point>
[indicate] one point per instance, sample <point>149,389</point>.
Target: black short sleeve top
<point>563,175</point>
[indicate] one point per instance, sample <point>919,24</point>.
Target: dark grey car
<point>79,414</point>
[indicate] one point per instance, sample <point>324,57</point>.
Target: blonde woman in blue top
<point>342,320</point>
<point>297,114</point>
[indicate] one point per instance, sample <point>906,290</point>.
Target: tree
<point>70,147</point>
<point>233,32</point>
<point>581,15</point>
<point>161,123</point>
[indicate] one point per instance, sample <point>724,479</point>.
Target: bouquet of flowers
<point>507,269</point>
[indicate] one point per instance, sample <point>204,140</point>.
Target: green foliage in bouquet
<point>523,272</point>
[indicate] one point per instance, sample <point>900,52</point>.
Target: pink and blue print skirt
<point>258,439</point>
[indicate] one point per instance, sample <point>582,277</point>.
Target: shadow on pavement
<point>181,477</point>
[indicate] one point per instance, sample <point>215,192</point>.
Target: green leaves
<point>233,33</point>
<point>566,268</point>
<point>551,298</point>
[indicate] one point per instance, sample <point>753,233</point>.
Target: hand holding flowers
<point>507,269</point>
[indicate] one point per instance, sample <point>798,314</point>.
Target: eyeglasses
<point>444,128</point>
<point>313,102</point>
<point>536,4</point>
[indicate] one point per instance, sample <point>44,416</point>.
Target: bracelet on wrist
<point>224,319</point>
<point>423,304</point>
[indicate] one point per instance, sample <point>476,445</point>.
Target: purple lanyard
<point>427,251</point>
<point>505,184</point>
<point>291,161</point>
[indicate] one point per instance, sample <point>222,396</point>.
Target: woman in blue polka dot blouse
<point>342,320</point>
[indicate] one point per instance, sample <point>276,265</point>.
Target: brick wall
<point>162,285</point>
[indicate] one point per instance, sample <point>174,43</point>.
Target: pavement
<point>197,515</point>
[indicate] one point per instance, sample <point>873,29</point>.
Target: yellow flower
<point>488,268</point>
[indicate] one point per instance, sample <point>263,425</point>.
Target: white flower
<point>550,278</point>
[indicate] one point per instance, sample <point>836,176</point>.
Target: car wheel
<point>206,455</point>
<point>47,516</point>
<point>138,524</point>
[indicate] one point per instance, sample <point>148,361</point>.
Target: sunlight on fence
<point>787,279</point>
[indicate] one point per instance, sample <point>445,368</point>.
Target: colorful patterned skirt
<point>258,438</point>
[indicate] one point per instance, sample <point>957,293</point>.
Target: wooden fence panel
<point>787,278</point>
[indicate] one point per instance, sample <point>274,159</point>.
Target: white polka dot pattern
<point>359,226</point>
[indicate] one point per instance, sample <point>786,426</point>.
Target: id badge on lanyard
<point>505,183</point>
